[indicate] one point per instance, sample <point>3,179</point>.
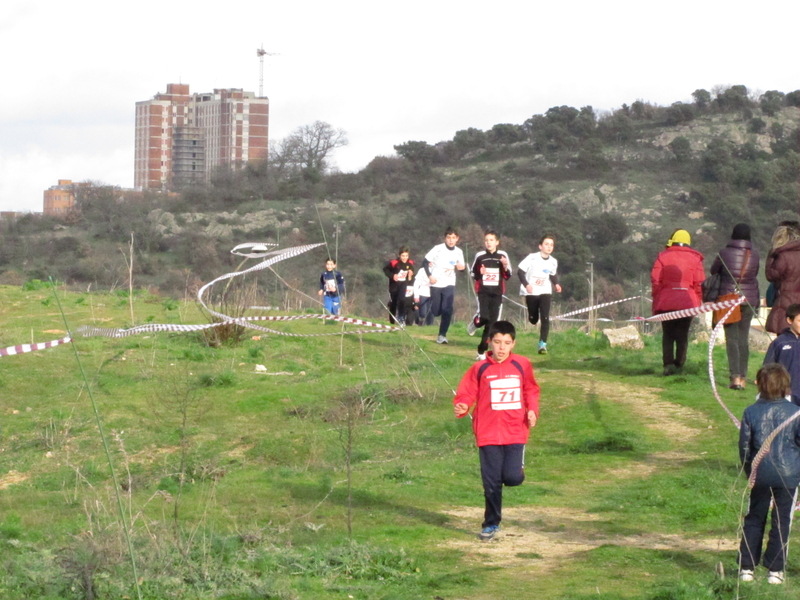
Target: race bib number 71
<point>505,394</point>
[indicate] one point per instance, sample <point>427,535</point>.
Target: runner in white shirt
<point>422,298</point>
<point>441,264</point>
<point>537,274</point>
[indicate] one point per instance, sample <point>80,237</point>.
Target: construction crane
<point>261,53</point>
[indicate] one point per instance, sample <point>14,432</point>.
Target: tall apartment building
<point>181,137</point>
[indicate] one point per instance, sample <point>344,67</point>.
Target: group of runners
<point>431,289</point>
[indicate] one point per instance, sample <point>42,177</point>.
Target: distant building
<point>59,199</point>
<point>181,138</point>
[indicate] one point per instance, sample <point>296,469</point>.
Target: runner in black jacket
<point>490,270</point>
<point>400,272</point>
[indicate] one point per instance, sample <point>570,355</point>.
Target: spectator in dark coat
<point>737,265</point>
<point>783,270</point>
<point>676,281</point>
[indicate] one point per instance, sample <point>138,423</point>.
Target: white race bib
<point>401,275</point>
<point>330,285</point>
<point>491,276</point>
<point>506,394</point>
<point>409,292</point>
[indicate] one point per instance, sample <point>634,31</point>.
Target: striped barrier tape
<point>272,257</point>
<point>595,307</point>
<point>692,312</point>
<point>88,331</point>
<point>25,348</point>
<point>712,340</point>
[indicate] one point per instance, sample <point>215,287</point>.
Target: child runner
<point>777,475</point>
<point>422,298</point>
<point>440,264</point>
<point>537,273</point>
<point>505,395</point>
<point>785,349</point>
<point>490,270</point>
<point>331,286</point>
<point>400,272</point>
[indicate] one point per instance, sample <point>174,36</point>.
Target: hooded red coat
<point>677,279</point>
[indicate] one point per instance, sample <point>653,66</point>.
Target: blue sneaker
<point>542,347</point>
<point>487,533</point>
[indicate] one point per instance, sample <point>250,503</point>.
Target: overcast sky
<point>386,73</point>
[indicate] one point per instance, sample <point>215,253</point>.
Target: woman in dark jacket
<point>737,265</point>
<point>783,269</point>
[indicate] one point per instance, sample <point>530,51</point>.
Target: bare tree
<point>307,149</point>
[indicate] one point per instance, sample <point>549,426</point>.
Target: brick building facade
<point>59,199</point>
<point>181,137</point>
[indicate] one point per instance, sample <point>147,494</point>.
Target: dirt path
<point>551,535</point>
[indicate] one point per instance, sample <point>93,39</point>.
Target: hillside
<point>611,188</point>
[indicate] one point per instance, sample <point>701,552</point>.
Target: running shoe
<point>775,577</point>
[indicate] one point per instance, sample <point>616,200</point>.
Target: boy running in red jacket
<point>505,395</point>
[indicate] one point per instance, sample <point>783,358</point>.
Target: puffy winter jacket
<point>676,279</point>
<point>780,466</point>
<point>783,269</point>
<point>729,263</point>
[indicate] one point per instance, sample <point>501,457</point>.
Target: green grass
<point>256,468</point>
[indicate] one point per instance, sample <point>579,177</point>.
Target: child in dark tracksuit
<point>331,287</point>
<point>785,349</point>
<point>400,272</point>
<point>775,478</point>
<point>505,395</point>
<point>490,270</point>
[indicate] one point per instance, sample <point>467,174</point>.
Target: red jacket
<point>502,393</point>
<point>676,279</point>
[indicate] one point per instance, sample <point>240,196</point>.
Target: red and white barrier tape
<point>25,348</point>
<point>274,257</point>
<point>595,307</point>
<point>87,331</point>
<point>711,342</point>
<point>692,312</point>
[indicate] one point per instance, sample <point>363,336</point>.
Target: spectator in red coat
<point>676,280</point>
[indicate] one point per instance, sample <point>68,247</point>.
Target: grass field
<point>341,473</point>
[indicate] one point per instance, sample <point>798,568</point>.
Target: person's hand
<point>483,270</point>
<point>532,419</point>
<point>504,261</point>
<point>395,276</point>
<point>416,301</point>
<point>460,409</point>
<point>320,292</point>
<point>558,288</point>
<point>461,266</point>
<point>529,288</point>
<point>432,280</point>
